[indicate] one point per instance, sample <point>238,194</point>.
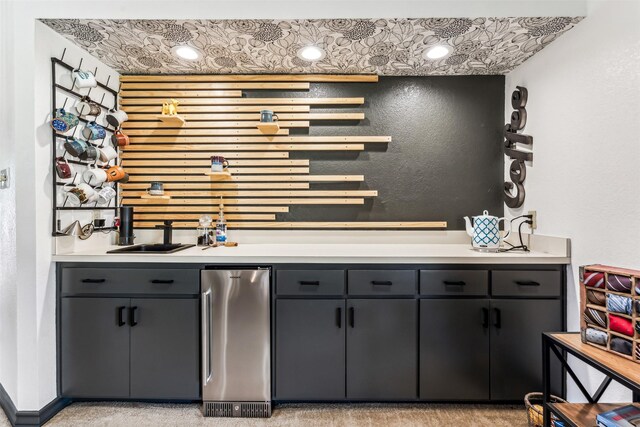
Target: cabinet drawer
<point>310,282</point>
<point>514,283</point>
<point>454,282</point>
<point>381,282</point>
<point>129,281</point>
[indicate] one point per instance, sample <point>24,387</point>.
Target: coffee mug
<point>86,107</point>
<point>116,117</point>
<point>75,146</point>
<point>105,195</point>
<point>63,168</point>
<point>156,189</point>
<point>91,153</point>
<point>267,116</point>
<point>120,139</point>
<point>93,131</point>
<point>84,79</point>
<point>218,164</point>
<point>116,173</point>
<point>62,121</point>
<point>107,153</point>
<point>81,194</point>
<point>94,176</point>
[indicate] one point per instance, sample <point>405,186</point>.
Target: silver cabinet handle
<point>206,337</point>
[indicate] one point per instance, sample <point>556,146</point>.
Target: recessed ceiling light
<point>311,53</point>
<point>186,52</point>
<point>437,52</point>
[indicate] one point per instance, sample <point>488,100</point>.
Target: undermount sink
<point>157,248</point>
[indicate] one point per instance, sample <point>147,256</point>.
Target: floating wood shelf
<point>218,175</point>
<point>152,196</point>
<point>269,128</point>
<point>174,120</point>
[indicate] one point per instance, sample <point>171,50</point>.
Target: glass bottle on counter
<point>221,225</point>
<point>205,232</point>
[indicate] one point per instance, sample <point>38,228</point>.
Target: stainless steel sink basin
<point>157,248</point>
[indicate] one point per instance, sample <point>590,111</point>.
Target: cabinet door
<point>382,349</point>
<point>165,362</point>
<point>454,349</point>
<point>516,345</point>
<point>309,349</point>
<point>94,347</point>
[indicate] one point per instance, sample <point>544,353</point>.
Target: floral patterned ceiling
<point>381,46</point>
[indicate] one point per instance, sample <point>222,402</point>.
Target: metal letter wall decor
<point>514,191</point>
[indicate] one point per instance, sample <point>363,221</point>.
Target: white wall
<point>583,114</point>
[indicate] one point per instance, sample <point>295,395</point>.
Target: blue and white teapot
<point>485,231</point>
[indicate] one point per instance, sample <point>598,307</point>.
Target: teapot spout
<point>469,227</point>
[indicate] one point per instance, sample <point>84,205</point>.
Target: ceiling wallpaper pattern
<point>381,46</point>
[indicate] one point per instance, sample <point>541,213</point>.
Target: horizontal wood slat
<point>181,155</point>
<point>259,139</point>
<point>247,147</point>
<point>251,78</point>
<point>274,201</point>
<point>173,90</point>
<point>175,94</point>
<point>313,225</point>
<point>196,216</point>
<point>215,185</point>
<point>261,193</point>
<point>207,125</point>
<point>209,209</point>
<point>190,117</point>
<point>234,171</point>
<point>249,178</point>
<point>210,132</point>
<point>222,109</point>
<point>246,101</point>
<point>207,162</point>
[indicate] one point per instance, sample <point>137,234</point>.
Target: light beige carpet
<point>294,415</point>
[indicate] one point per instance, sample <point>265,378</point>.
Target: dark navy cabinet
<point>139,341</point>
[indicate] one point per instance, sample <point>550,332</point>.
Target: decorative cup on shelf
<point>116,118</point>
<point>75,146</point>
<point>91,153</point>
<point>218,164</point>
<point>116,173</point>
<point>87,107</point>
<point>107,153</point>
<point>156,189</point>
<point>94,176</point>
<point>105,195</point>
<point>84,79</point>
<point>120,139</point>
<point>267,116</point>
<point>63,168</point>
<point>93,131</point>
<point>63,121</point>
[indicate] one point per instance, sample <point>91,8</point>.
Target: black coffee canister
<point>126,226</point>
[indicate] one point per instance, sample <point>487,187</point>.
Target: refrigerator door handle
<point>206,337</point>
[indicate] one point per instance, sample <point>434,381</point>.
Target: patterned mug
<point>63,121</point>
<point>87,107</point>
<point>83,79</point>
<point>93,131</point>
<point>75,147</point>
<point>116,173</point>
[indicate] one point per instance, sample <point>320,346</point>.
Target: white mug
<point>116,117</point>
<point>107,153</point>
<point>94,176</point>
<point>80,194</point>
<point>84,79</point>
<point>105,195</point>
<point>92,194</point>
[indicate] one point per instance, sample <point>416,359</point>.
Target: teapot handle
<point>507,226</point>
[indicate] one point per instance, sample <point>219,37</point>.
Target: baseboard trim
<point>30,418</point>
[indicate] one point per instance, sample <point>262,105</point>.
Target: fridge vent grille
<point>245,410</point>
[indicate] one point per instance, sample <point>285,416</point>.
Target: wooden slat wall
<point>219,120</point>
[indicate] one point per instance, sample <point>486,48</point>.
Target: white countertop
<point>339,253</point>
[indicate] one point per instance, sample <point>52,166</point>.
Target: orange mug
<point>120,138</point>
<point>116,173</point>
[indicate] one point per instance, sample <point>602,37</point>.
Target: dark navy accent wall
<point>445,160</point>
